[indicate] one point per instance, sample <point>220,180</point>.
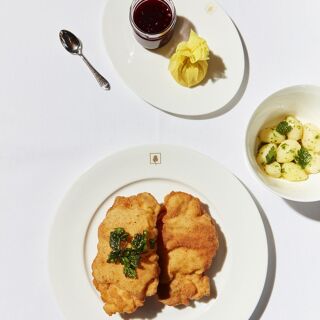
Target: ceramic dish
<point>146,72</point>
<point>239,270</point>
<point>302,102</point>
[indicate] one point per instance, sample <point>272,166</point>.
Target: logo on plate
<point>210,8</point>
<point>155,158</point>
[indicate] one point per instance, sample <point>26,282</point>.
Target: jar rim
<point>152,36</point>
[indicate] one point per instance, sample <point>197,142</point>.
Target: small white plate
<point>146,72</point>
<point>239,270</point>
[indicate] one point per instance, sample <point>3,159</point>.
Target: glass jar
<point>153,22</point>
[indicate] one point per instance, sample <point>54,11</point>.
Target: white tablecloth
<point>55,122</point>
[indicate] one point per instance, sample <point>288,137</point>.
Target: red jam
<point>153,22</point>
<point>152,16</point>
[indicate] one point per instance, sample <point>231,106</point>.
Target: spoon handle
<point>101,80</point>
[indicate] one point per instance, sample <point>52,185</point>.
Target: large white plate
<point>146,72</point>
<point>240,267</point>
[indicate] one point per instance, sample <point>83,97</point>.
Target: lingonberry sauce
<point>152,16</point>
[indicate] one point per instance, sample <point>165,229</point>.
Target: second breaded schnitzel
<point>187,243</point>
<point>120,293</point>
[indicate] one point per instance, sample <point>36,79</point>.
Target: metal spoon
<point>72,44</point>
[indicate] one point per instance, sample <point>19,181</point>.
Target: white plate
<point>146,72</point>
<point>241,264</point>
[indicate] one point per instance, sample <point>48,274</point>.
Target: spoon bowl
<point>70,42</point>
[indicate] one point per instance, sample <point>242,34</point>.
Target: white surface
<point>239,274</point>
<point>304,103</point>
<point>146,71</point>
<point>56,122</point>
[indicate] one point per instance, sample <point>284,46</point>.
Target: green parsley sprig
<point>130,256</point>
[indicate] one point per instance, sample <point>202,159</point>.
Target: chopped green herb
<point>128,257</point>
<point>272,155</point>
<point>130,261</point>
<point>152,243</point>
<point>303,157</point>
<point>129,271</point>
<point>283,128</point>
<point>116,237</point>
<point>139,241</point>
<point>114,256</point>
<point>283,146</point>
<point>317,136</point>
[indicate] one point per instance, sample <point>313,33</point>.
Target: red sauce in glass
<point>152,16</point>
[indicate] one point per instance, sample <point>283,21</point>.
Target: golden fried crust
<point>120,294</point>
<point>187,243</point>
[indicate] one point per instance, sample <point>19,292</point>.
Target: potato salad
<point>291,150</point>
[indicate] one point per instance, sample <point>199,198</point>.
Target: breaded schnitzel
<point>187,243</point>
<point>120,293</point>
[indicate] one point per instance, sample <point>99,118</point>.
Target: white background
<point>55,122</point>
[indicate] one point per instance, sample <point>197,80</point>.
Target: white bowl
<point>304,103</point>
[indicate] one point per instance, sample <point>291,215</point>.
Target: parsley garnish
<point>128,257</point>
<point>152,243</point>
<point>139,242</point>
<point>303,157</point>
<point>272,155</point>
<point>283,128</point>
<point>116,237</point>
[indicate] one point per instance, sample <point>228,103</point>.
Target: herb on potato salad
<point>272,155</point>
<point>303,157</point>
<point>283,128</point>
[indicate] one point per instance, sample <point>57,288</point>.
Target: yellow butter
<point>189,64</point>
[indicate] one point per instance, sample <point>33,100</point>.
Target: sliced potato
<point>273,169</point>
<point>293,172</point>
<point>267,154</point>
<point>297,128</point>
<point>287,150</point>
<point>270,135</point>
<point>311,137</point>
<point>314,165</point>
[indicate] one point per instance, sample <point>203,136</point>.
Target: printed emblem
<point>210,8</point>
<point>155,158</point>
